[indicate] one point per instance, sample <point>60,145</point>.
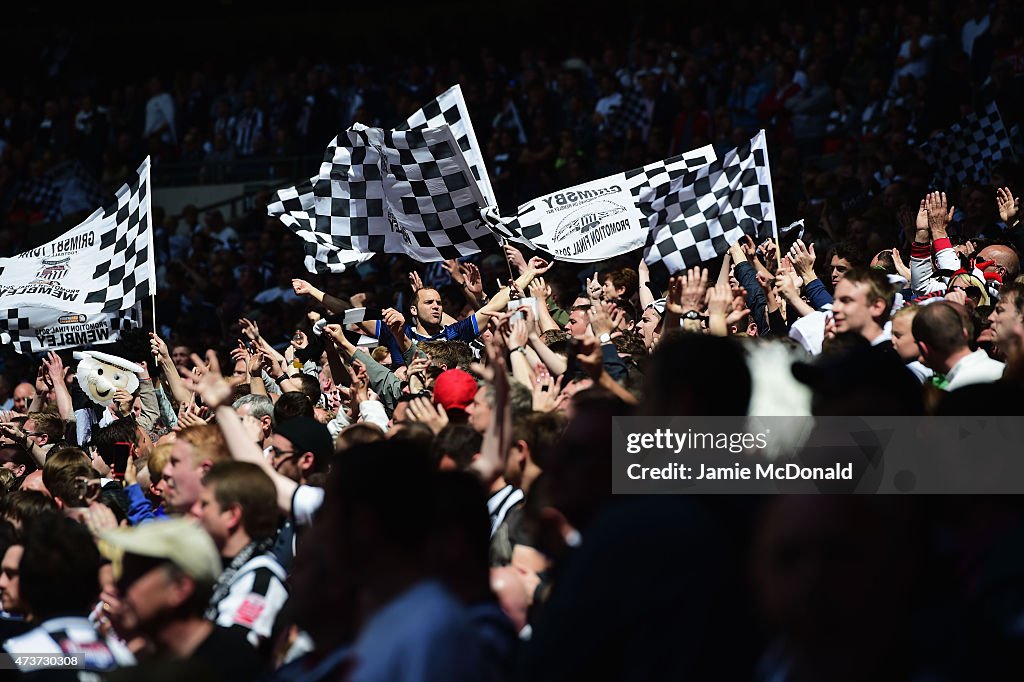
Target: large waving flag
<point>599,219</point>
<point>73,289</point>
<point>696,216</point>
<point>378,191</point>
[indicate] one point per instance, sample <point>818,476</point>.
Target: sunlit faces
<point>1007,322</point>
<point>182,478</point>
<point>903,338</point>
<point>839,267</point>
<point>428,308</point>
<point>480,411</point>
<point>851,310</point>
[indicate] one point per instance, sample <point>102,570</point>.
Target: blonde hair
<point>907,310</point>
<point>207,443</point>
<point>158,460</point>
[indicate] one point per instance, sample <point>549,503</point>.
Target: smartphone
<point>517,303</point>
<point>122,451</point>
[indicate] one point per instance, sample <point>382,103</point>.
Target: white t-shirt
<point>976,368</point>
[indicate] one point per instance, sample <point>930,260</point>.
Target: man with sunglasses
<point>300,447</point>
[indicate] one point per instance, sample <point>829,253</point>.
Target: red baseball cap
<point>454,389</point>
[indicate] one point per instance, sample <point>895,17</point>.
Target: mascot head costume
<point>100,374</point>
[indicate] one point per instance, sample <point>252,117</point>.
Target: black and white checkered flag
<point>449,108</point>
<point>527,226</point>
<point>126,270</point>
<point>36,330</point>
<point>632,114</point>
<point>65,189</point>
<point>969,149</point>
<point>696,216</point>
<point>382,191</point>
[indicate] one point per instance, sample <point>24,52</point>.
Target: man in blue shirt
<point>430,322</point>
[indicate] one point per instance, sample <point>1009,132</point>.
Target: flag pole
<point>771,200</point>
<point>513,293</point>
<point>152,249</point>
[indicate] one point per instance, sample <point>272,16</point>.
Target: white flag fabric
<point>969,148</point>
<point>103,265</point>
<point>696,216</point>
<point>599,219</point>
<point>381,191</point>
<point>37,330</point>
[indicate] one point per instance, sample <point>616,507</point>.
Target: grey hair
<point>260,406</point>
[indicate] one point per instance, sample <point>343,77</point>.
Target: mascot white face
<point>100,374</point>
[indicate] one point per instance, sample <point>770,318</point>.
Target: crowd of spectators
<point>422,490</point>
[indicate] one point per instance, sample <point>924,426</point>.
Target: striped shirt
<point>499,504</point>
<point>254,599</point>
<point>248,125</point>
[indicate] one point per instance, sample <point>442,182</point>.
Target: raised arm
<point>498,304</point>
<point>494,449</point>
<point>215,391</point>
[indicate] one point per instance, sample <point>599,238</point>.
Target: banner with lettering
<point>37,330</point>
<point>103,265</point>
<point>599,219</point>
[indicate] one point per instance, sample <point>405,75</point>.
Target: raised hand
<point>691,288</point>
<point>254,365</point>
<point>519,333</point>
<point>540,290</point>
<point>594,289</point>
<point>938,216</point>
<point>803,259</point>
<point>207,382</point>
<point>720,300</point>
<point>590,358</point>
<point>515,256</point>
<point>54,368</point>
<point>123,401</point>
<point>300,340</point>
<point>538,266</point>
<point>394,321</point>
<point>302,288</point>
<point>603,319</point>
<point>158,348</point>
<point>451,266</point>
<point>424,410</point>
<point>544,392</point>
<point>250,329</point>
<point>1008,205</point>
<point>472,280</point>
<point>415,283</point>
<point>901,268</point>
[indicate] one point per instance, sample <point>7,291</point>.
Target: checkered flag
<point>696,216</point>
<point>65,189</point>
<point>43,194</point>
<point>969,149</point>
<point>125,272</point>
<point>449,108</point>
<point>662,172</point>
<point>382,191</point>
<point>15,323</point>
<point>631,114</point>
<point>526,226</point>
<point>325,251</point>
<point>39,329</point>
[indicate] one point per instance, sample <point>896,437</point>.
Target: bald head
<point>34,481</point>
<point>23,395</point>
<point>1005,257</point>
<point>939,330</point>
